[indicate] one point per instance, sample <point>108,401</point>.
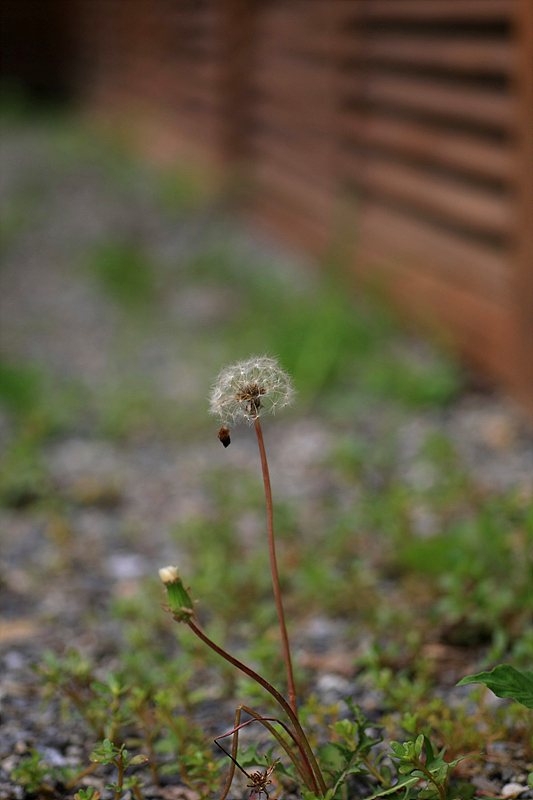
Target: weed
<point>34,773</point>
<point>159,717</point>
<point>108,753</point>
<point>87,794</point>
<point>506,681</point>
<point>433,769</point>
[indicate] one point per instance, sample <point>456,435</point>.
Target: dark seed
<point>224,437</point>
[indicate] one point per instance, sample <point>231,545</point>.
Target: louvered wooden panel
<point>439,99</point>
<point>461,151</point>
<point>294,114</point>
<point>427,127</point>
<point>417,96</point>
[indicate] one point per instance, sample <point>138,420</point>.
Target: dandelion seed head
<point>250,388</point>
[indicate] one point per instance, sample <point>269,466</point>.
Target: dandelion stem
<point>274,566</point>
<point>303,744</point>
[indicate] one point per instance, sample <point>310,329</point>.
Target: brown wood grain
<point>415,243</point>
<point>523,256</point>
<point>313,160</point>
<point>443,99</point>
<point>307,119</point>
<point>479,209</point>
<point>457,54</point>
<point>463,152</point>
<point>482,330</point>
<point>439,9</point>
<point>283,220</point>
<point>309,198</point>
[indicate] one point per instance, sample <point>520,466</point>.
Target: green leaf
<point>140,759</point>
<point>506,681</point>
<point>386,774</point>
<point>334,755</point>
<point>398,748</point>
<point>429,750</point>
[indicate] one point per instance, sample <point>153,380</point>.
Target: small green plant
<point>87,794</point>
<point>24,478</point>
<point>354,751</point>
<point>102,705</point>
<point>108,753</point>
<point>159,718</point>
<point>433,768</point>
<point>34,774</point>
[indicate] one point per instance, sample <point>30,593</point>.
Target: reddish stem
<point>274,566</point>
<point>303,745</point>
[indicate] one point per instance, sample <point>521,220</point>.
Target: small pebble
<point>513,789</point>
<point>13,660</point>
<point>332,688</point>
<point>52,756</point>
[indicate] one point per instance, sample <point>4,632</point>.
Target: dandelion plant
<point>241,394</point>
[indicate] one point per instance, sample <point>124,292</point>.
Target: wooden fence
<point>400,131</point>
<point>405,126</point>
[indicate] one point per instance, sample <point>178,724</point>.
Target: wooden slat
<point>464,152</point>
<point>415,243</point>
<point>293,37</point>
<point>292,77</point>
<point>482,330</point>
<point>299,46</point>
<point>459,54</point>
<point>297,228</point>
<point>300,117</point>
<point>314,145</point>
<point>315,15</point>
<point>313,161</point>
<point>451,200</point>
<point>484,10</point>
<point>440,98</point>
<point>301,193</point>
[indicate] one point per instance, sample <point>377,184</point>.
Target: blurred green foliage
<point>124,273</point>
<point>20,387</point>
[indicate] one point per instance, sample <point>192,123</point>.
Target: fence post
<point>524,178</point>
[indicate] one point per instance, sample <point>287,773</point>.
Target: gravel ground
<point>126,494</point>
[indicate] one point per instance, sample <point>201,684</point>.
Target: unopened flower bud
<point>179,602</point>
<point>168,574</point>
